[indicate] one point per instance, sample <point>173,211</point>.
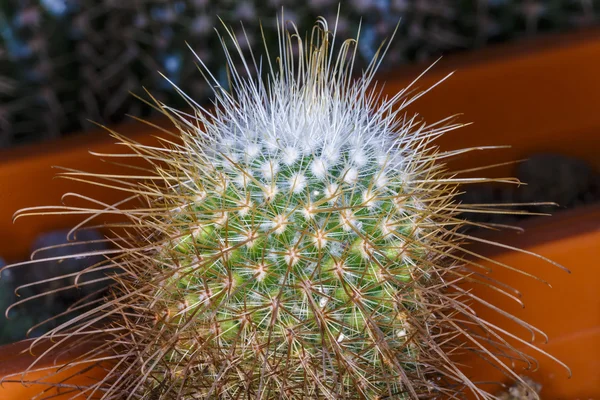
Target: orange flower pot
<point>568,311</point>
<point>52,383</point>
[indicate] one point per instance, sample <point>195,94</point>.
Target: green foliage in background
<point>63,62</point>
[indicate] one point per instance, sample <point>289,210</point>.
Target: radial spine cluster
<point>311,230</point>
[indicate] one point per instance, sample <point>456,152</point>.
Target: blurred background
<point>65,62</point>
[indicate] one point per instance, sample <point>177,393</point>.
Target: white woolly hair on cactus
<point>300,240</point>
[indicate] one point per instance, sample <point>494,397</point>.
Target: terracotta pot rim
<point>561,225</point>
<point>17,357</point>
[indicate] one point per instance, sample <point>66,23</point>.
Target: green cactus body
<point>297,261</point>
<point>294,238</point>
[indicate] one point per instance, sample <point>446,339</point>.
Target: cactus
<point>298,241</point>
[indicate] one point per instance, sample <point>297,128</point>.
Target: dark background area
<point>64,62</point>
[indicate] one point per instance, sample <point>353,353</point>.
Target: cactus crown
<point>298,241</point>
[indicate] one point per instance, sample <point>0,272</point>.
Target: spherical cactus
<point>299,241</point>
